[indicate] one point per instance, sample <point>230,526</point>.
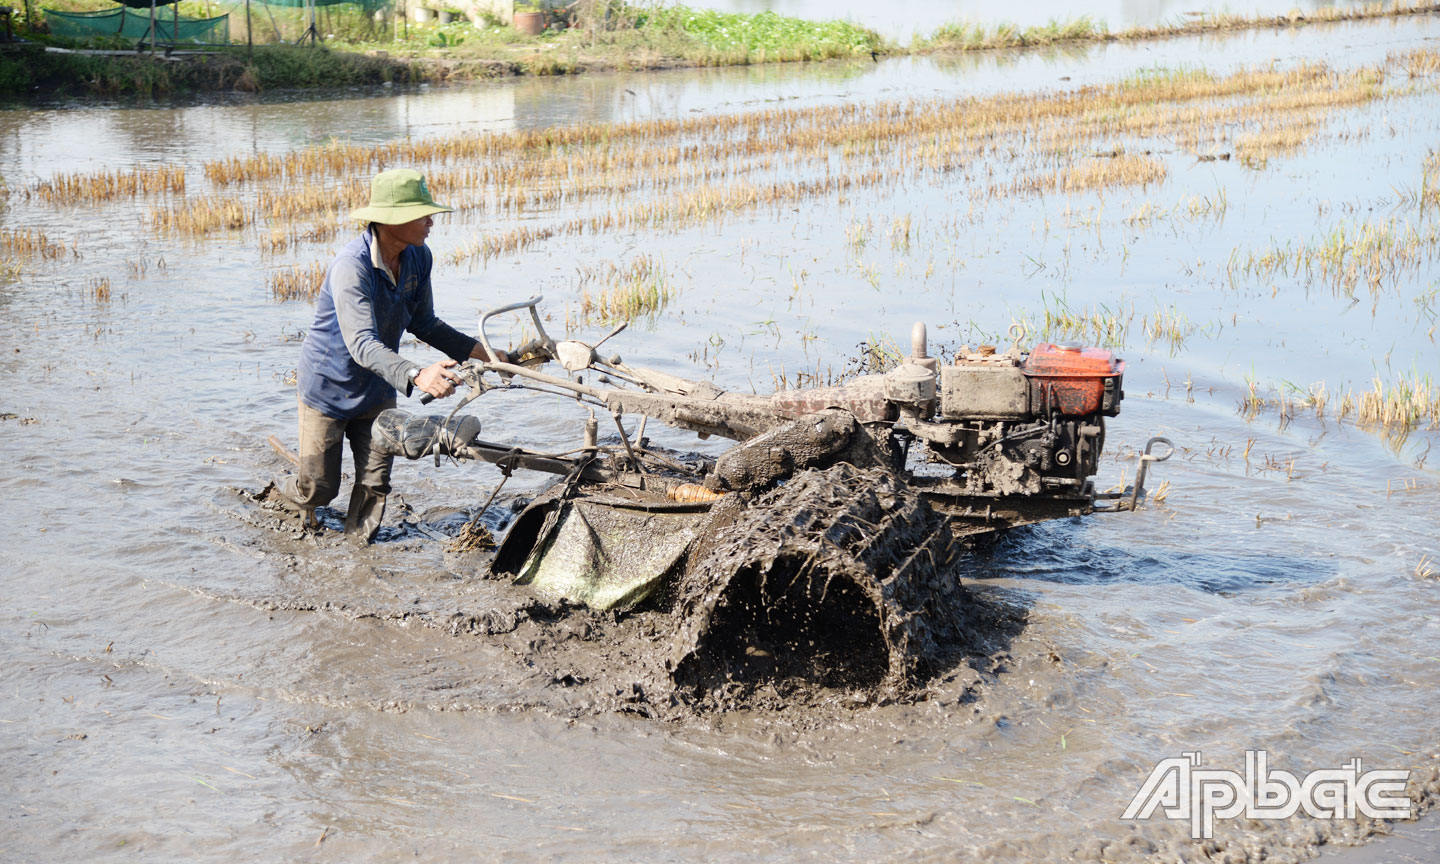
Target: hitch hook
<point>1137,492</point>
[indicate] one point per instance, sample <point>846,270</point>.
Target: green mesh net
<point>135,24</point>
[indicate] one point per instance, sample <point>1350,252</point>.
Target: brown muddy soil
<point>841,577</point>
<point>836,590</point>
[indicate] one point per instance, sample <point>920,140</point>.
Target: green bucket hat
<point>398,196</point>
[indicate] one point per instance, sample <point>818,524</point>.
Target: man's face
<point>411,233</point>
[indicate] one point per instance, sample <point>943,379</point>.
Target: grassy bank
<point>637,39</point>
<point>370,51</point>
<point>223,70</point>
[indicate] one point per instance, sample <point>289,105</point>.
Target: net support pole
<point>175,24</point>
<point>152,28</point>
<point>249,39</point>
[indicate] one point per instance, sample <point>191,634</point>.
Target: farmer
<point>377,287</point>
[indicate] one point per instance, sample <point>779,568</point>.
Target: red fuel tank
<point>1072,380</point>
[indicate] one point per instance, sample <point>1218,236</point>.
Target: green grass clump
<point>765,35</point>
<point>300,66</point>
<point>81,73</point>
<point>1160,76</point>
<point>641,288</point>
<point>15,75</point>
<point>965,36</point>
<point>956,36</point>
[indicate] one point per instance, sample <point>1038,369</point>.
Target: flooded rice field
<point>1250,222</point>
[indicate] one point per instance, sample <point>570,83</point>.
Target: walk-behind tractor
<point>822,542</point>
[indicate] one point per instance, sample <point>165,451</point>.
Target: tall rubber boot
<point>367,511</point>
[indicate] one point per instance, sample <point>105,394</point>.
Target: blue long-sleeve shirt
<point>349,363</point>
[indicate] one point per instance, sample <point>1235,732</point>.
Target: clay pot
<point>532,23</point>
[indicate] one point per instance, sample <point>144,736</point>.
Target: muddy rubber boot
<point>363,518</point>
<point>286,495</point>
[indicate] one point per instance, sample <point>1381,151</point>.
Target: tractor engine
<point>1018,423</point>
<point>1006,424</point>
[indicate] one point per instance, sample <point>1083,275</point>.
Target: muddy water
<point>186,681</point>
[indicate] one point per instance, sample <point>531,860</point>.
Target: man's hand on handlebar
<point>437,379</point>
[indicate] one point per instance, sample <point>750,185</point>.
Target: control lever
<point>542,341</point>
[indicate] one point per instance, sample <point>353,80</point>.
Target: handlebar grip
<point>426,399</point>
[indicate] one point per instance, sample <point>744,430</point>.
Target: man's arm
<point>355,312</point>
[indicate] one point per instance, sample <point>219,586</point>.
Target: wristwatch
<point>412,374</point>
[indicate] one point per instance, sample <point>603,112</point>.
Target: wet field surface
<point>187,678</point>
